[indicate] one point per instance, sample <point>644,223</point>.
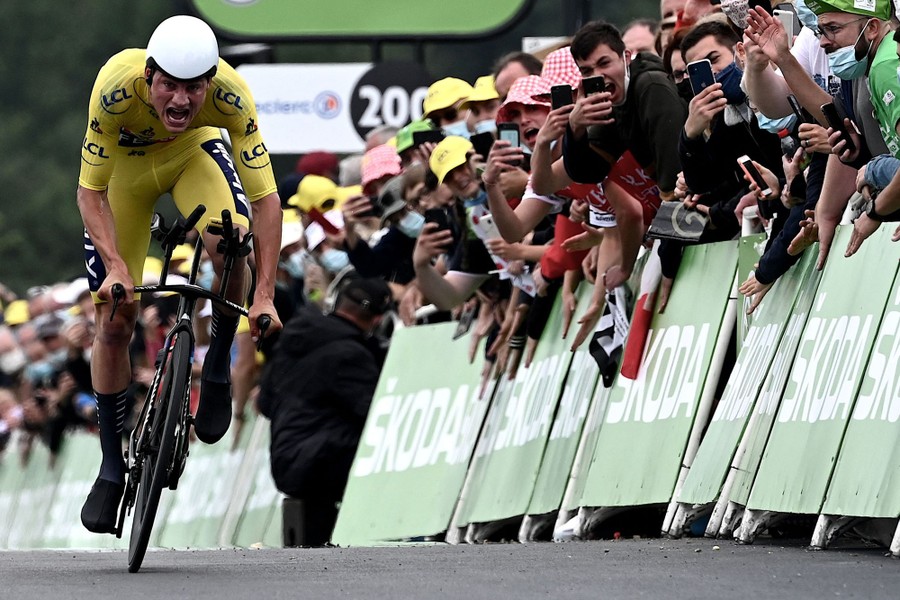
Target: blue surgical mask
<point>806,16</point>
<point>459,128</point>
<point>843,61</point>
<point>775,125</point>
<point>485,126</point>
<point>411,224</point>
<point>295,264</point>
<point>206,275</point>
<point>730,78</point>
<point>334,261</point>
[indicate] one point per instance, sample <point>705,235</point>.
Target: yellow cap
<point>315,191</point>
<point>448,155</point>
<point>444,93</point>
<point>483,91</point>
<point>16,313</point>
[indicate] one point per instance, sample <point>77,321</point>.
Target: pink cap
<point>380,161</point>
<point>523,91</point>
<point>560,68</point>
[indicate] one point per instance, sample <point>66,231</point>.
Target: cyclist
<point>153,127</point>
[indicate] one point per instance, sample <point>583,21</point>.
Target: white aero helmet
<point>183,47</point>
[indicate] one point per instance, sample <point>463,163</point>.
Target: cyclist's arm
<point>266,245</point>
<point>98,221</point>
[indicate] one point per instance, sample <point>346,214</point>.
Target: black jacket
<point>647,124</point>
<point>317,391</point>
<point>390,258</point>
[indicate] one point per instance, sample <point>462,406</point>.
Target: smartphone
<point>561,95</point>
<point>482,143</point>
<point>593,85</point>
<point>509,132</point>
<point>486,224</point>
<point>746,165</point>
<point>835,114</point>
<point>439,216</point>
<point>802,115</point>
<point>431,135</point>
<point>787,20</point>
<point>465,321</point>
<point>701,75</point>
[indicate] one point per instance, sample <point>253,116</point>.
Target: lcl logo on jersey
<point>251,158</point>
<point>92,149</point>
<point>110,100</point>
<point>221,98</point>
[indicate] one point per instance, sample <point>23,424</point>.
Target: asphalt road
<point>624,569</point>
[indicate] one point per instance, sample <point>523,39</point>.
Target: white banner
<point>305,107</point>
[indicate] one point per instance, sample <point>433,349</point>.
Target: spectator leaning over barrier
<point>470,264</point>
<point>317,391</point>
<point>639,111</point>
<point>443,103</point>
<point>720,128</point>
<point>870,52</point>
<point>513,66</point>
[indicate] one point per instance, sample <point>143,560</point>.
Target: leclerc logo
<point>327,105</point>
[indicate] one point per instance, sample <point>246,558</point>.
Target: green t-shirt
<point>884,84</point>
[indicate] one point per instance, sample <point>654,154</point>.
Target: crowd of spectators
<point>498,200</point>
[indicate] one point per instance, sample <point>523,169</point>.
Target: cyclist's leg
<point>210,178</point>
<point>110,363</point>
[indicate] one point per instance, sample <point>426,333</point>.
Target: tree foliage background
<point>50,52</point>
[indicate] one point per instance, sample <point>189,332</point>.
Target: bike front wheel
<point>158,450</point>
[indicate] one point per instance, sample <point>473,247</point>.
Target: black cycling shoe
<point>100,512</point>
<point>214,412</point>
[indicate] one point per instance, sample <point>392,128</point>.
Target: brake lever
<point>263,322</point>
<point>118,294</point>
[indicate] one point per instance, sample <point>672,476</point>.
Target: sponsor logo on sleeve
<point>251,127</point>
<point>256,157</point>
<point>95,125</point>
<point>93,154</point>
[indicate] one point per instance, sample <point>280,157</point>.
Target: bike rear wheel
<point>158,451</point>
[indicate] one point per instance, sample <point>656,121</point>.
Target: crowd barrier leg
<point>672,526</point>
<point>754,522</point>
<point>829,528</point>
<point>733,513</point>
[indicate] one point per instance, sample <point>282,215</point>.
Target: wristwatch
<point>870,211</point>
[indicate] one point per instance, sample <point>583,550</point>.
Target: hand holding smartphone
<point>593,85</point>
<point>834,113</point>
<point>701,75</point>
<point>561,95</point>
<point>753,173</point>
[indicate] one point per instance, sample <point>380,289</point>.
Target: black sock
<point>217,364</point>
<point>111,417</point>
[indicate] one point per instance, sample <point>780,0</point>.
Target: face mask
<point>627,81</point>
<point>459,128</point>
<point>730,78</point>
<point>334,261</point>
<point>294,265</point>
<point>807,17</point>
<point>684,90</point>
<point>11,362</point>
<point>485,126</point>
<point>843,61</point>
<point>775,125</point>
<point>206,275</point>
<point>411,224</point>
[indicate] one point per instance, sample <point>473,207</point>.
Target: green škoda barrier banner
<point>866,480</point>
<point>800,454</point>
<point>647,423</point>
<point>509,452</point>
<point>710,466</point>
<point>415,449</point>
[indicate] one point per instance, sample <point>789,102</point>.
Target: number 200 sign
<point>388,94</point>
